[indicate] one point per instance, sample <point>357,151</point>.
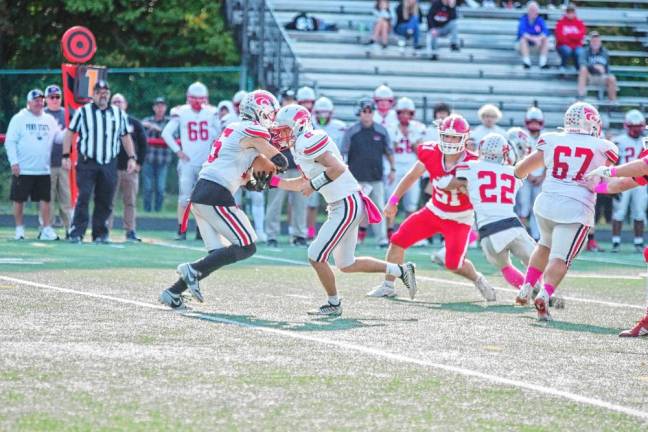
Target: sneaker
<point>454,47</point>
<point>104,239</point>
<point>616,247</point>
<point>485,288</point>
<point>327,310</point>
<point>190,277</point>
<point>174,301</point>
<point>132,237</point>
<point>526,65</point>
<point>299,241</point>
<point>48,234</point>
<point>541,303</point>
<point>408,276</point>
<point>383,244</point>
<point>640,329</point>
<point>75,240</point>
<point>592,245</point>
<point>524,295</point>
<point>181,236</point>
<point>272,243</point>
<point>434,57</point>
<point>20,233</point>
<point>382,290</point>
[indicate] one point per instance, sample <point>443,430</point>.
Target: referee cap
<point>34,94</point>
<point>101,85</point>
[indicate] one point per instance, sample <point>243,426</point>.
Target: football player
<point>565,207</point>
<point>306,97</point>
<point>385,115</point>
<point>449,211</point>
<point>212,199</point>
<point>324,171</point>
<point>630,145</point>
<point>323,113</point>
<point>199,126</point>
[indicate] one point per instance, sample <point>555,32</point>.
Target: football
<point>263,164</point>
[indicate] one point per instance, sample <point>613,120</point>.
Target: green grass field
<point>84,345</point>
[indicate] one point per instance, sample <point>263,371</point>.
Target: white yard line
<point>366,350</point>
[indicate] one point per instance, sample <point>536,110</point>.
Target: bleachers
<point>487,69</point>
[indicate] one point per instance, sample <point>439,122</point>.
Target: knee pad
<point>243,252</point>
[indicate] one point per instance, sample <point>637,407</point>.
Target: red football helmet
<point>453,126</point>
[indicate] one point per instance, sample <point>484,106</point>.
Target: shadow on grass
<point>319,324</point>
<point>576,327</point>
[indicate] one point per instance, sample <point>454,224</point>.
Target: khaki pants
<point>127,186</point>
<point>60,195</point>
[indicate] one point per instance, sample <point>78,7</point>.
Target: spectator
<point>158,157</point>
<point>30,136</point>
<point>382,26</point>
<point>128,182</point>
<point>489,115</point>
<point>594,68</point>
<point>59,178</point>
<point>198,124</point>
<point>101,128</point>
<point>442,21</point>
<point>364,145</point>
<point>385,115</point>
<point>277,198</point>
<point>408,20</point>
<point>570,33</point>
<point>532,33</point>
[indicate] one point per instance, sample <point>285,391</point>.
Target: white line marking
<point>366,350</point>
<point>511,290</point>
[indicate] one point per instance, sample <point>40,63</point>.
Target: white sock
<point>394,269</point>
<point>334,300</point>
<point>526,60</point>
<point>616,239</point>
<point>543,60</point>
<point>638,240</point>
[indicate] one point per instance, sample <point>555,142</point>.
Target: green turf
<point>70,362</point>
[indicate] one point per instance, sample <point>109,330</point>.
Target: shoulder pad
<point>312,143</point>
<point>254,130</point>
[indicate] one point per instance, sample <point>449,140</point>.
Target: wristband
<point>601,188</point>
<point>320,181</point>
<point>613,172</point>
<point>132,157</point>
<point>274,181</point>
<point>65,156</point>
<point>393,200</point>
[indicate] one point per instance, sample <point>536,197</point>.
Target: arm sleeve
<point>11,141</point>
<point>139,137</point>
<point>543,25</point>
<point>124,123</point>
<point>521,27</point>
<point>76,121</point>
<point>168,132</point>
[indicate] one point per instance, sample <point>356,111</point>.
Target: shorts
<point>36,187</point>
<point>521,246</point>
<point>339,234</point>
<point>564,240</point>
<point>424,224</point>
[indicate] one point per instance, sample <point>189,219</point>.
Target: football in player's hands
<point>263,167</point>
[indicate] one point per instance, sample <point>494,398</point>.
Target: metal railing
<point>267,56</point>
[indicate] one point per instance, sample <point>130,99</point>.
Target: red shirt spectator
<point>570,30</point>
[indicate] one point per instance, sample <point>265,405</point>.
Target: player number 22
<point>486,188</point>
<point>561,167</point>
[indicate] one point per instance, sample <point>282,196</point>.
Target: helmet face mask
<point>519,141</point>
<point>323,117</point>
<point>634,123</point>
<point>197,96</point>
<point>494,148</point>
<point>260,106</point>
<point>453,133</point>
<point>323,111</point>
<point>291,122</point>
<point>534,119</point>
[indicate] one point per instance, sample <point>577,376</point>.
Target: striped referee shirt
<point>100,131</point>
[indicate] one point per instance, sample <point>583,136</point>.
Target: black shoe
<point>434,57</point>
<point>418,47</point>
<point>545,67</point>
<point>131,236</point>
<point>526,65</point>
<point>371,42</point>
<point>181,236</point>
<point>299,241</point>
<point>615,247</point>
<point>75,239</point>
<point>454,47</point>
<point>272,243</point>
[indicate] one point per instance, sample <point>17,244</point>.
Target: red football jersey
<point>643,180</point>
<point>450,201</point>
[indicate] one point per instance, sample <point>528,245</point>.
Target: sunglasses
<point>367,111</point>
<point>54,97</point>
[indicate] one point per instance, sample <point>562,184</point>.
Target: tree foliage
<point>129,33</point>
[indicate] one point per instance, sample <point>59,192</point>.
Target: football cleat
<point>541,303</point>
<point>485,288</point>
<point>174,301</point>
<point>382,290</point>
<point>327,310</point>
<point>48,233</point>
<point>190,277</point>
<point>640,329</point>
<point>616,246</point>
<point>524,295</point>
<point>592,246</point>
<point>408,276</point>
<point>557,302</point>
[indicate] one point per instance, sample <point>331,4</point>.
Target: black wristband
<point>65,156</point>
<point>133,157</point>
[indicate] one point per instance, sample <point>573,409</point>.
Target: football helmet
<point>306,97</point>
<point>534,119</point>
<point>384,98</point>
<point>259,106</point>
<point>519,140</point>
<point>453,126</point>
<point>291,122</point>
<point>493,147</point>
<point>405,109</point>
<point>197,95</point>
<point>323,110</point>
<point>634,123</point>
<point>583,118</point>
<point>238,98</point>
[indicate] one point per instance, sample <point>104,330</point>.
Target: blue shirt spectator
<point>532,33</point>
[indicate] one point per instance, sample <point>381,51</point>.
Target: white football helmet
<point>583,118</point>
<point>405,104</point>
<point>533,115</point>
<point>291,122</point>
<point>197,95</point>
<point>305,94</point>
<point>519,140</point>
<point>259,106</point>
<point>237,99</point>
<point>453,126</point>
<point>323,110</point>
<point>634,118</point>
<point>383,92</point>
<point>493,147</point>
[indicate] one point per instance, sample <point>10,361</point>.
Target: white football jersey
<point>308,147</point>
<point>198,130</point>
<point>629,148</point>
<point>533,142</point>
<point>405,145</point>
<point>229,162</point>
<point>481,131</point>
<point>492,188</point>
<point>390,119</point>
<point>335,129</point>
<point>566,196</point>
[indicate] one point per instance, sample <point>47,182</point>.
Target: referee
<point>102,128</point>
